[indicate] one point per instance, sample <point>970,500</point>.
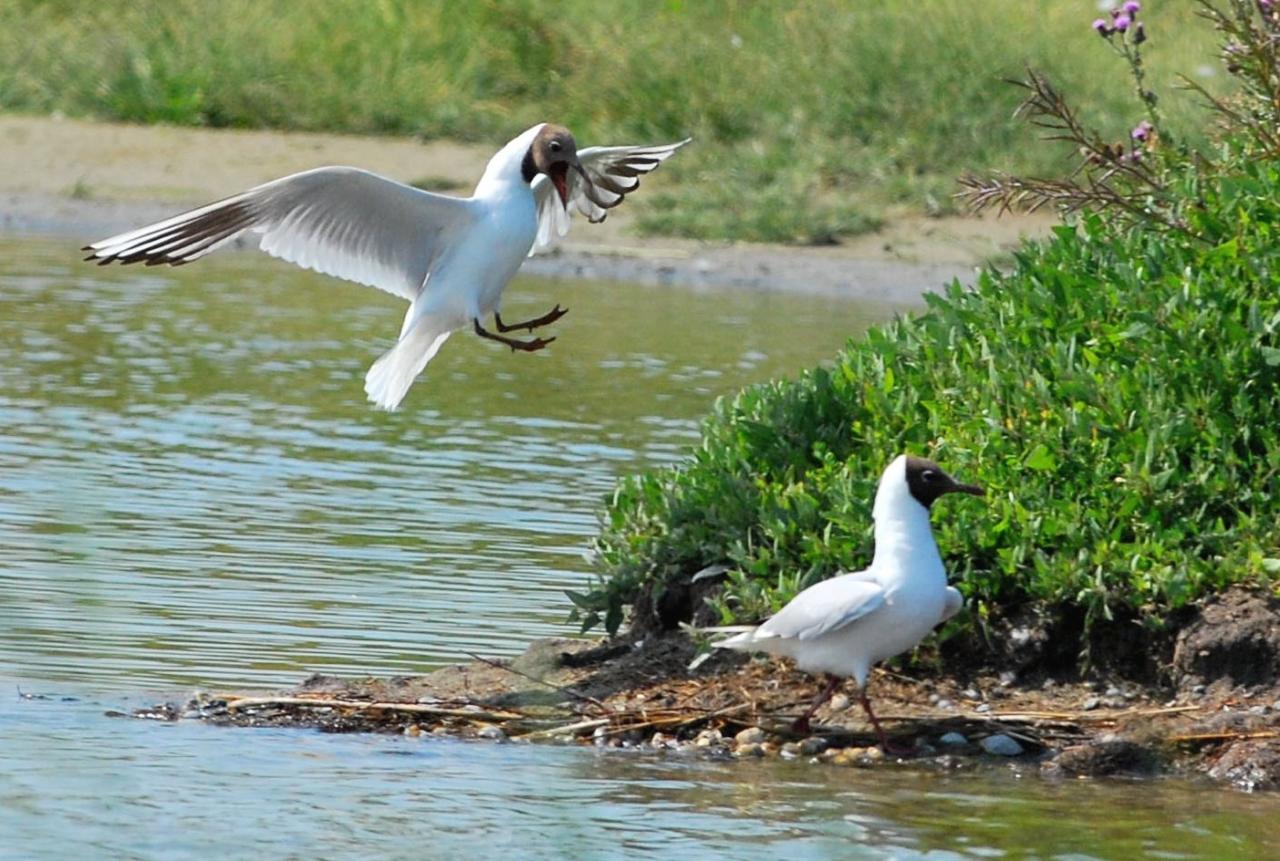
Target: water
<point>194,493</point>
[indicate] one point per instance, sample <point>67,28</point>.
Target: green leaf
<point>579,599</point>
<point>1041,458</point>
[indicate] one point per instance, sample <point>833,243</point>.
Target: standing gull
<point>450,257</point>
<point>842,626</point>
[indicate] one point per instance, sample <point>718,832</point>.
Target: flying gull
<point>450,257</point>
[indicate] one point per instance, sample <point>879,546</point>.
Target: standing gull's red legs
<point>885,745</point>
<point>802,723</point>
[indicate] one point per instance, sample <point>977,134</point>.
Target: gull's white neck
<point>905,548</point>
<point>504,173</point>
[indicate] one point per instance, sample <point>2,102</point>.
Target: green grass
<point>1116,392</point>
<point>812,119</point>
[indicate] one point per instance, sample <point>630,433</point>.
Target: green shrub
<point>1117,392</point>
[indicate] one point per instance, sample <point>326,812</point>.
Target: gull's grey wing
<point>824,607</point>
<point>341,221</point>
<point>615,172</point>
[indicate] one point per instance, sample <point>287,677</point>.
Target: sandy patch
<point>86,179</point>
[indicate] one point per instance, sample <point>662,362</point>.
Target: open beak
<point>588,186</point>
<point>559,174</point>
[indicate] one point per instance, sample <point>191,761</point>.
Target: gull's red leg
<point>550,317</point>
<point>513,343</point>
<point>802,723</point>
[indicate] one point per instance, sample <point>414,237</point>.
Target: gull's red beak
<point>559,174</point>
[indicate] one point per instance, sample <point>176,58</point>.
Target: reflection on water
<point>194,492</point>
<point>112,788</point>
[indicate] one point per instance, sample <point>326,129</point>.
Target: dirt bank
<point>84,180</point>
<point>1211,714</point>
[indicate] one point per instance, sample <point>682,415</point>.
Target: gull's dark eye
<point>929,476</point>
<point>554,146</point>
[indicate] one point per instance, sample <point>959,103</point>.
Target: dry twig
<point>356,705</point>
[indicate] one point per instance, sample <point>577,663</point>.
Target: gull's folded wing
<point>824,607</point>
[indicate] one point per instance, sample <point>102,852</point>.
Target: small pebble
<point>971,694</point>
<point>839,703</point>
<point>953,739</point>
<point>1257,710</point>
<point>1091,703</point>
<point>751,748</point>
<point>1113,691</point>
<point>750,735</point>
<point>872,754</point>
<point>191,714</point>
<point>1007,678</point>
<point>659,740</point>
<point>790,750</point>
<point>1275,706</point>
<point>983,708</point>
<point>813,745</point>
<point>492,733</point>
<point>413,730</point>
<point>945,704</point>
<point>708,738</point>
<point>1001,745</point>
<point>1198,690</point>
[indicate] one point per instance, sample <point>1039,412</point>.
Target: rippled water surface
<point>193,492</point>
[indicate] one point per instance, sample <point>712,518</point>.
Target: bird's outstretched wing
<point>615,172</point>
<point>824,607</point>
<point>341,221</point>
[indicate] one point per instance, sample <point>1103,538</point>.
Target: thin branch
<point>1223,736</point>
<point>355,705</point>
<point>569,692</point>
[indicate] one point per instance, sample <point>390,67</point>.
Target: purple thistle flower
<point>1141,131</point>
<point>1132,7</point>
<point>1101,26</point>
<point>1123,22</point>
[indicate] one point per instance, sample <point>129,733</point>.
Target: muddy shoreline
<point>79,180</point>
<point>1215,713</point>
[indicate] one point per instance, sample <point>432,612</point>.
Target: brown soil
<point>90,179</point>
<point>644,695</point>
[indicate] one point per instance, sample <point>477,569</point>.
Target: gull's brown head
<point>554,152</point>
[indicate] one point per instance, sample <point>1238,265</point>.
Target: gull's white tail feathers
<point>741,639</point>
<point>390,377</point>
